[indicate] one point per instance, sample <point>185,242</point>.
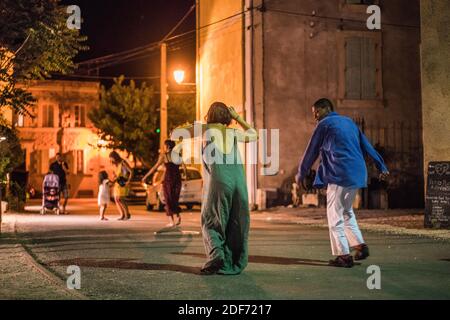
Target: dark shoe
<point>212,266</point>
<point>362,252</point>
<point>342,262</point>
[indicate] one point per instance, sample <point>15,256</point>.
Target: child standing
<point>103,193</point>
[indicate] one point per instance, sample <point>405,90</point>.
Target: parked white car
<point>191,189</point>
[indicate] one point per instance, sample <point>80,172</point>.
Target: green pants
<point>225,215</point>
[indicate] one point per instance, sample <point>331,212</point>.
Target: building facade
<point>273,59</point>
<point>60,124</point>
<point>435,16</point>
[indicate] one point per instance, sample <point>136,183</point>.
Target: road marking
<point>177,233</point>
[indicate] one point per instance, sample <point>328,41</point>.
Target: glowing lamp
<point>179,76</point>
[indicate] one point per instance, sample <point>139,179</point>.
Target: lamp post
<point>1,196</point>
<point>179,78</point>
<point>163,106</point>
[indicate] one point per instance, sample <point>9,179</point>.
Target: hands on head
<point>233,113</point>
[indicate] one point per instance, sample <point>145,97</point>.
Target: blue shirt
<point>342,147</point>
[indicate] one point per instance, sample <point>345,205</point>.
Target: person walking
<point>171,183</point>
<point>103,193</point>
<point>122,177</point>
<point>61,169</point>
<point>225,214</point>
<point>341,146</point>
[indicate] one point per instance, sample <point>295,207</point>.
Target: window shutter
<point>44,115</point>
<point>50,116</point>
<point>368,69</point>
<point>82,116</point>
<point>353,68</point>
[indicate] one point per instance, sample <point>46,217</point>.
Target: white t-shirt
<point>103,193</point>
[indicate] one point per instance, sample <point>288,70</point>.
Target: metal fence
<point>400,144</point>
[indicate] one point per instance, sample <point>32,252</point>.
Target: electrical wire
<point>111,77</point>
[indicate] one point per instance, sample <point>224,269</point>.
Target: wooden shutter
<point>82,116</point>
<point>353,68</point>
<point>50,116</point>
<point>44,115</point>
<point>368,69</point>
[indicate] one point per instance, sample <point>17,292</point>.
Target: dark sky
<point>116,25</point>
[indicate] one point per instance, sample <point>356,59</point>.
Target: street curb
<point>441,235</point>
<point>48,274</point>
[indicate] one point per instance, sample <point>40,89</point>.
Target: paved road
<point>126,260</point>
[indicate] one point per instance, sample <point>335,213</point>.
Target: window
<point>80,161</point>
<point>360,78</point>
<point>357,6</point>
<point>365,2</point>
<point>48,116</point>
<point>80,116</point>
<point>18,119</point>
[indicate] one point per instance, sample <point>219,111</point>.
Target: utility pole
<point>163,107</point>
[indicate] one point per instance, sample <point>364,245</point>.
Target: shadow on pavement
<point>272,260</point>
<point>127,264</point>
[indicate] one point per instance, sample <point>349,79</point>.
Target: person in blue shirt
<point>341,146</point>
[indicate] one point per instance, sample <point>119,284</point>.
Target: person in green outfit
<point>225,215</point>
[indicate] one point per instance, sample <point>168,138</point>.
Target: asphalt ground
<point>141,259</point>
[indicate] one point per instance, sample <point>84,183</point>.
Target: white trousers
<point>344,230</point>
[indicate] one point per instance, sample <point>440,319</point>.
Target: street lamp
<point>179,78</point>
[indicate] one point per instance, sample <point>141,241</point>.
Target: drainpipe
<point>251,148</point>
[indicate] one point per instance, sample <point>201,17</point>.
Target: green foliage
<point>181,110</point>
<point>11,154</point>
<point>127,119</point>
<point>34,43</point>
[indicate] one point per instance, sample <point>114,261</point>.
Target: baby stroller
<point>50,194</point>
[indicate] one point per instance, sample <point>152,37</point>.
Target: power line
<point>178,24</point>
<point>309,15</point>
<point>111,77</point>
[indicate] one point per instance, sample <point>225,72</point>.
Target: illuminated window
<point>48,116</point>
<point>80,161</point>
<point>18,119</point>
<point>80,116</point>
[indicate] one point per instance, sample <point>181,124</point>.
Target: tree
<point>11,154</point>
<point>34,43</point>
<point>127,119</point>
<point>181,109</point>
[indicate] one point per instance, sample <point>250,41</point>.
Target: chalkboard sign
<point>437,204</point>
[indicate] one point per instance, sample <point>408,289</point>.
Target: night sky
<point>116,25</point>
